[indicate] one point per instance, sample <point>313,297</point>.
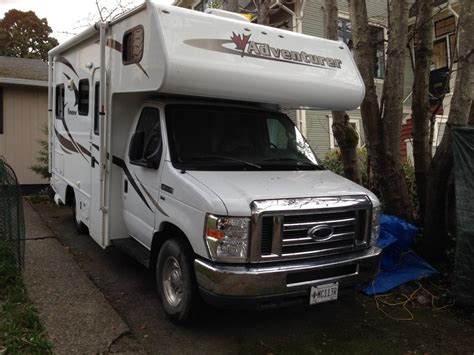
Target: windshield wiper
<point>226,158</point>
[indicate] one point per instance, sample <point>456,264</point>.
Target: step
<point>134,249</point>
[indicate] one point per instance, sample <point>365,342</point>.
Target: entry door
<point>95,228</point>
<point>141,173</point>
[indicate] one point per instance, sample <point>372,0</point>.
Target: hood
<point>238,189</point>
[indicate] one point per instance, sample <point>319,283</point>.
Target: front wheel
<point>176,281</point>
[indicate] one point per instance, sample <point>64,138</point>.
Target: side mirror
<point>135,149</point>
<point>153,151</point>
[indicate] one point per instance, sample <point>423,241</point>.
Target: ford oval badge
<point>321,232</point>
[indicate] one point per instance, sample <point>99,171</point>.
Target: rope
<point>381,300</point>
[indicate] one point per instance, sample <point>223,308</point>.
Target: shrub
<point>41,168</point>
<point>333,162</point>
<point>409,170</point>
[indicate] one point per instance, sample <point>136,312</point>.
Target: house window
<point>1,110</point>
<point>345,31</point>
<point>445,26</point>
<point>133,43</point>
<point>378,48</point>
<point>377,38</point>
<point>444,45</point>
<point>60,101</point>
<point>440,54</point>
<point>444,54</point>
<point>445,38</point>
<point>83,106</point>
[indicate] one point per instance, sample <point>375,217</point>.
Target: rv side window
<point>60,101</point>
<point>96,108</point>
<point>146,141</point>
<point>132,51</point>
<point>83,106</point>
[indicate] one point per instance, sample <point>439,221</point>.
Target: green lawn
<point>20,329</point>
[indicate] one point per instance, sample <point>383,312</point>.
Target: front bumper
<point>252,286</point>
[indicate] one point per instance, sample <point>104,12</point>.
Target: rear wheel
<point>176,281</point>
<point>81,228</point>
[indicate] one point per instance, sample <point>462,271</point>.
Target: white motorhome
<point>167,138</point>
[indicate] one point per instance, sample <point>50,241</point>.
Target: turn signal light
<point>215,233</point>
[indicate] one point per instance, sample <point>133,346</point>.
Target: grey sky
<point>65,17</point>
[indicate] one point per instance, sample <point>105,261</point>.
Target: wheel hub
<point>172,281</point>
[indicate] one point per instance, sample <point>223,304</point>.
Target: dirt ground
<point>353,324</point>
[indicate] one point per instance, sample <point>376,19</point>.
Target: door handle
<point>125,186</point>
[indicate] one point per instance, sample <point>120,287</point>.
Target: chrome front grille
<point>285,233</point>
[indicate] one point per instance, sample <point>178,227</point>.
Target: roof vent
<point>227,14</point>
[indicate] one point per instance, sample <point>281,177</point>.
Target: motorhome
<point>168,139</point>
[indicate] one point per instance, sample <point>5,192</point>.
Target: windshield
<point>223,138</point>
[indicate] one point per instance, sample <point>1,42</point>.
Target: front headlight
<point>227,238</point>
<point>375,225</point>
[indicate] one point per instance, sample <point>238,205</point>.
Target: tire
<point>81,228</point>
<point>176,281</point>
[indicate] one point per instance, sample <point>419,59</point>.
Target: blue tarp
<point>399,264</point>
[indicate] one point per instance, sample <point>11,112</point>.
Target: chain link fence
<point>12,223</point>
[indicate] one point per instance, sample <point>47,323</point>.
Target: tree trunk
<point>382,124</point>
<point>263,12</point>
<point>231,5</point>
<point>346,136</point>
<point>420,104</point>
<point>395,192</point>
<point>471,114</point>
<point>435,226</point>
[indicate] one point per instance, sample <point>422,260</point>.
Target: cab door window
<point>146,144</point>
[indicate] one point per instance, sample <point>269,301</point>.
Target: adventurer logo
<point>243,43</point>
<point>240,44</point>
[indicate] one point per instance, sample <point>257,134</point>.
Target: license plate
<point>323,293</point>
